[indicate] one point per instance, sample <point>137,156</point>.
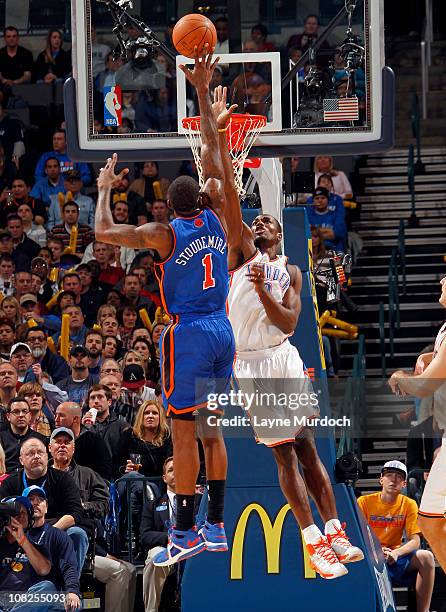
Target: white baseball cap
<point>394,466</point>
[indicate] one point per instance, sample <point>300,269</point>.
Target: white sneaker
<point>345,551</point>
<point>324,561</point>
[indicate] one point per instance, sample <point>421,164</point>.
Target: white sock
<point>332,526</point>
<point>311,534</point>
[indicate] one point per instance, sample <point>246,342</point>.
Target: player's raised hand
<point>256,275</point>
<point>221,113</point>
<point>107,178</point>
<point>204,67</point>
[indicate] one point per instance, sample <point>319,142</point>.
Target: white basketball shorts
<point>434,494</point>
<point>277,393</point>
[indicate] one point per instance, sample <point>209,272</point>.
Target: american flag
<point>341,109</point>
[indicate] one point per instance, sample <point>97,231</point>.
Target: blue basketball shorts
<point>399,572</point>
<point>197,357</point>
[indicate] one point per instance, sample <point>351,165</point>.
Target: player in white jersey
<point>431,380</point>
<point>264,305</point>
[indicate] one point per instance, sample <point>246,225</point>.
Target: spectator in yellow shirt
<point>390,514</point>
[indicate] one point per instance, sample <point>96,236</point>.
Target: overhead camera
<point>142,71</point>
<point>314,83</point>
<point>336,276</point>
<point>352,52</point>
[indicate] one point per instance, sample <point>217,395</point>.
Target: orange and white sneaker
<point>344,549</point>
<point>324,561</point>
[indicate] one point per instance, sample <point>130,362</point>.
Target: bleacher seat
<point>34,94</point>
<point>22,114</point>
<point>2,14</point>
<point>47,14</point>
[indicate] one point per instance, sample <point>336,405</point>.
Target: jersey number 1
<point>209,280</point>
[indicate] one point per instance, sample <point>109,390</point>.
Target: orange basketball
<point>191,31</point>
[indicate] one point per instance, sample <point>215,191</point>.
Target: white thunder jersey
<point>440,394</point>
<point>252,329</point>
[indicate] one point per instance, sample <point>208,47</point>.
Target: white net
<point>241,133</point>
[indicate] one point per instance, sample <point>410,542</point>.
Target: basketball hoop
<point>252,162</point>
<point>241,134</point>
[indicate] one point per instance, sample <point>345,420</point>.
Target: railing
<point>414,167</point>
<point>411,182</point>
<point>426,55</point>
<point>394,300</point>
<point>416,131</point>
<point>353,398</point>
<point>397,271</point>
<point>382,339</point>
<point>402,253</point>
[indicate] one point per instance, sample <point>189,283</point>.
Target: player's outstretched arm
<point>286,314</point>
<point>213,173</point>
<point>240,242</point>
<point>150,235</point>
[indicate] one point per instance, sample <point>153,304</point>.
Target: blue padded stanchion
<point>266,568</point>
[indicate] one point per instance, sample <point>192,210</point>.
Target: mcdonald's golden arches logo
<point>272,531</point>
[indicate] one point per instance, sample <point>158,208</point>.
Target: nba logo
<point>112,105</point>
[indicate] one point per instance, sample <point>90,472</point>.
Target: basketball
<point>191,31</point>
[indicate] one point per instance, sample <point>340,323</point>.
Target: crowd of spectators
<point>69,427</point>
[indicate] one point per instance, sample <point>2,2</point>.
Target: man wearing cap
<point>64,573</point>
<point>64,500</point>
<point>72,184</point>
<point>21,358</point>
<point>330,218</point>
<point>30,308</point>
<point>119,576</point>
<point>134,391</point>
<point>90,450</point>
<point>80,380</point>
<point>390,514</point>
<point>18,416</point>
<point>24,565</point>
<point>7,337</point>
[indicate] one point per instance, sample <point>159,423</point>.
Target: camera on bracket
<point>141,71</point>
<point>335,277</point>
<point>352,52</point>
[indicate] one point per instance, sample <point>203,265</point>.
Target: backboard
<point>339,101</point>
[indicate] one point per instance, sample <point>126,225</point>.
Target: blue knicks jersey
<point>194,279</point>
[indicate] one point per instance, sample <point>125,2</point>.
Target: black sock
<point>216,489</point>
<point>185,512</point>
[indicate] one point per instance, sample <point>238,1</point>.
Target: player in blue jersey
<point>197,349</point>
